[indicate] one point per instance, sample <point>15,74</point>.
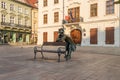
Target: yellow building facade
<point>15,22</point>
<point>34,25</point>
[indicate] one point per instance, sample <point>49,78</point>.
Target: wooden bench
<point>51,47</point>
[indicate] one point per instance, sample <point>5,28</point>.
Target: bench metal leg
<point>59,57</point>
<point>66,57</point>
<point>42,55</point>
<point>34,55</point>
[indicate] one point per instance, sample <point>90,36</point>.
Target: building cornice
<point>49,26</point>
<point>4,12</point>
<point>104,20</point>
<point>73,4</point>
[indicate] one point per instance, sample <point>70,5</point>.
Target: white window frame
<point>19,21</point>
<point>11,7</point>
<point>3,5</point>
<point>19,9</point>
<point>12,20</point>
<point>26,22</point>
<point>26,11</point>
<point>2,18</point>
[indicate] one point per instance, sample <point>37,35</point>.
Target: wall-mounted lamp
<point>84,30</point>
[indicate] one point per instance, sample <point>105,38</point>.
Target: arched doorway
<point>76,36</point>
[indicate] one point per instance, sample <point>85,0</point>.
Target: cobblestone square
<point>16,63</point>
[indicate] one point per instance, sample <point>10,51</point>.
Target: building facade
<point>34,32</point>
<point>15,22</point>
<point>35,23</point>
<point>88,22</point>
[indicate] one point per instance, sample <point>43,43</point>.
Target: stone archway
<point>76,35</point>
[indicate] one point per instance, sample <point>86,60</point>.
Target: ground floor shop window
<point>20,37</point>
<point>13,37</point>
<point>24,37</point>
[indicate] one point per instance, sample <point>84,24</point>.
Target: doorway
<point>76,36</point>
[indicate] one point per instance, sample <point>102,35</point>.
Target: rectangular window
<point>24,37</point>
<point>56,16</point>
<point>2,18</point>
<point>45,18</point>
<point>110,7</point>
<point>44,3</point>
<point>26,22</point>
<point>109,35</point>
<point>11,7</point>
<point>19,9</point>
<point>93,36</point>
<point>34,27</point>
<point>11,35</point>
<point>19,21</point>
<point>12,19</point>
<point>44,36</point>
<point>93,10</point>
<point>55,35</point>
<point>26,11</point>
<point>3,5</point>
<point>74,14</point>
<point>20,35</point>
<point>56,1</point>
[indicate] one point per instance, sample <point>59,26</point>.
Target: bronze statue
<point>70,45</point>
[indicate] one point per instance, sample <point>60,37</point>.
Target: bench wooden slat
<point>54,43</point>
<point>51,51</point>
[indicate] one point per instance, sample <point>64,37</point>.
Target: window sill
<point>93,17</point>
<point>56,3</point>
<point>109,14</point>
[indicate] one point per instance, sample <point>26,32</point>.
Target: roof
<point>32,3</point>
<point>22,2</point>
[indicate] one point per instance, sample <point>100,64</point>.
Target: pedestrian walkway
<point>87,63</point>
<point>100,50</point>
<point>92,49</point>
<point>16,46</point>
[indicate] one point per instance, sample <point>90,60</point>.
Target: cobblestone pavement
<point>16,63</point>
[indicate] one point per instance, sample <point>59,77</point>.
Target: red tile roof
<point>32,2</point>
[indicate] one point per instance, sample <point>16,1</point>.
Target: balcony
<point>74,20</point>
<point>5,24</point>
<point>23,26</point>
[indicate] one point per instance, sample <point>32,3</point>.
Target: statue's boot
<point>66,57</point>
<point>69,57</point>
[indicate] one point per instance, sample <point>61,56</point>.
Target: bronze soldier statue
<point>70,45</point>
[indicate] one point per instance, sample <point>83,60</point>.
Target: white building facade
<point>88,22</point>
